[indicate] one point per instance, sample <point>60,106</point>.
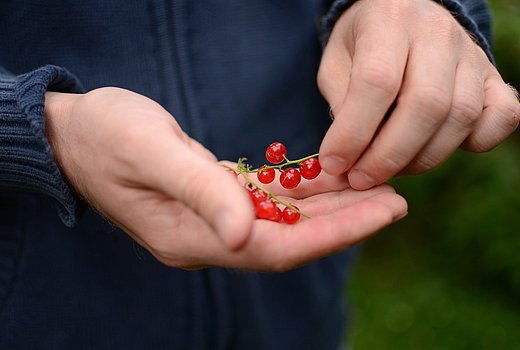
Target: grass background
<point>448,275</point>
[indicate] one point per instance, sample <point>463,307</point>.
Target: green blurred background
<point>448,275</point>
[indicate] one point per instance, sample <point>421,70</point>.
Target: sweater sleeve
<point>473,15</point>
<point>26,160</point>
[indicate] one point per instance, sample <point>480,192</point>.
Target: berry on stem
<point>265,176</point>
<point>290,216</point>
<point>277,216</point>
<point>266,209</point>
<point>257,196</point>
<point>276,152</point>
<point>266,203</point>
<point>310,168</point>
<point>290,178</point>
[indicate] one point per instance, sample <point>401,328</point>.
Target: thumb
<point>208,189</point>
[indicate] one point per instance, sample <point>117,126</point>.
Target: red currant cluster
<point>308,167</point>
<point>266,208</point>
<point>265,203</point>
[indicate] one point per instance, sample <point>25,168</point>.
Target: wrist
<point>58,109</point>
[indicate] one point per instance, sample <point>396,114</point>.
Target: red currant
<point>276,152</point>
<point>265,176</point>
<point>290,216</point>
<point>266,209</point>
<point>310,168</point>
<point>277,216</point>
<point>257,196</point>
<point>290,178</point>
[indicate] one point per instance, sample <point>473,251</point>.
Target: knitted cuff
<point>26,160</point>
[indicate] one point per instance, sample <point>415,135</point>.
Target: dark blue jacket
<point>237,75</point>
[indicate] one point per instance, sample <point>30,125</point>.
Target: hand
<point>447,92</point>
<point>130,160</point>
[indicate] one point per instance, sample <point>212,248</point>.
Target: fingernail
<point>400,216</point>
<point>333,165</point>
<point>360,181</point>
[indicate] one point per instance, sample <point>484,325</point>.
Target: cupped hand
<point>128,158</point>
<point>414,54</point>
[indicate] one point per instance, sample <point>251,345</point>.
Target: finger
<point>377,69</point>
<point>334,74</point>
<point>324,183</point>
<point>278,247</point>
<point>193,245</point>
<point>466,109</point>
<point>500,117</point>
<point>203,186</point>
<point>327,203</point>
<point>422,107</point>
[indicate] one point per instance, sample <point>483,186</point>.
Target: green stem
<point>273,197</point>
<point>244,174</point>
<point>280,166</point>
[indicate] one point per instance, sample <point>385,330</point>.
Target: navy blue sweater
<point>231,72</point>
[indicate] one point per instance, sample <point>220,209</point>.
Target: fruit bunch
<point>267,205</point>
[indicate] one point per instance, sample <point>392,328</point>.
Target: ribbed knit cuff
<point>26,161</point>
<point>471,17</point>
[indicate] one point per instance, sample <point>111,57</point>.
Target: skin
<point>128,158</point>
<point>448,95</point>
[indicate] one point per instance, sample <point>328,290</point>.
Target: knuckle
<point>444,25</point>
<point>379,75</point>
<point>389,162</point>
<point>358,139</point>
<point>512,112</point>
<point>449,30</point>
<point>516,115</point>
<point>508,112</point>
<point>431,98</point>
<point>466,112</point>
<point>423,163</point>
<point>476,144</point>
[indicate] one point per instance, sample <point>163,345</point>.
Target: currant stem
<point>273,197</point>
<point>244,174</point>
<point>278,166</point>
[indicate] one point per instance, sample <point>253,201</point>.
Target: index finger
<point>378,65</point>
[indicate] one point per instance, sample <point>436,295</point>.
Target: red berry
<point>277,216</point>
<point>310,168</point>
<point>290,216</point>
<point>257,196</point>
<point>265,176</point>
<point>290,178</point>
<point>266,209</point>
<point>276,152</point>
